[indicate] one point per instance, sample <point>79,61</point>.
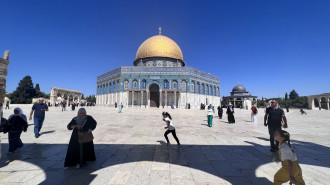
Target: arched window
<point>183,85</point>
<point>197,87</point>
<point>110,87</point>
<point>214,91</point>
<point>135,84</point>
<point>97,91</point>
<point>192,88</point>
<point>207,90</point>
<point>144,84</point>
<point>203,89</point>
<point>106,88</point>
<point>174,84</point>
<point>126,84</point>
<point>118,86</point>
<point>166,84</point>
<point>211,90</point>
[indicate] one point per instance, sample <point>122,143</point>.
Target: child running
<point>290,170</point>
<point>170,128</point>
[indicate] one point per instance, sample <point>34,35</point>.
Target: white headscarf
<point>81,119</point>
<point>20,114</point>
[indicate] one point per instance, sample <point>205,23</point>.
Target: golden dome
<point>159,46</point>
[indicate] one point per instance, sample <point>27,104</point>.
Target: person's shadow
<point>228,162</point>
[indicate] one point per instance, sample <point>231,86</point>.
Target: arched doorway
<point>324,103</point>
<point>316,102</point>
<point>154,95</point>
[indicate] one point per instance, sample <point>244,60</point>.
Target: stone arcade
<point>158,78</point>
<point>60,92</point>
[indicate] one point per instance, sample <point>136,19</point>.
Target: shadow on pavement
<point>228,162</point>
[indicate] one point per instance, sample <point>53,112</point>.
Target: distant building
<point>319,101</point>
<point>158,78</point>
<point>240,98</point>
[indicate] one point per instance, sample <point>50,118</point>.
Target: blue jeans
<point>38,124</point>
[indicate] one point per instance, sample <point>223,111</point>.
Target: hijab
<point>20,114</point>
<point>81,119</point>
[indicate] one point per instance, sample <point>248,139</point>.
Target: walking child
<point>170,127</point>
<point>290,170</point>
<point>209,116</point>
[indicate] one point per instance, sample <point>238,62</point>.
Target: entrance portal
<point>154,95</point>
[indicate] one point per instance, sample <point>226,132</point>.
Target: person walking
<point>290,170</point>
<point>230,113</point>
<point>274,118</point>
<point>220,111</point>
<point>73,106</point>
<point>120,107</point>
<point>63,105</point>
<point>254,112</point>
<point>7,105</point>
<point>77,152</point>
<point>209,113</point>
<point>17,123</point>
<point>170,127</point>
<point>39,116</point>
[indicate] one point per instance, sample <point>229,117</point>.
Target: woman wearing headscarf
<point>230,112</point>
<point>17,123</point>
<point>78,153</point>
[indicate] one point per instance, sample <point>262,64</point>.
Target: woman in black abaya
<point>77,152</point>
<point>230,112</point>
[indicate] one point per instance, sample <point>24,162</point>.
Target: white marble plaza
<point>130,149</point>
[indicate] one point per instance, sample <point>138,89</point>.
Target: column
<point>174,99</point>
<point>141,98</point>
<point>160,99</point>
<point>234,103</point>
<point>132,98</point>
<point>148,99</point>
<point>179,99</point>
<point>165,99</point>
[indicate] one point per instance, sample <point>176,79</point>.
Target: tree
<point>286,96</point>
<point>293,95</point>
<point>24,92</point>
<point>91,99</point>
<point>82,96</point>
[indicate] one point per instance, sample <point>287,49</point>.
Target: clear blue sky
<point>270,47</point>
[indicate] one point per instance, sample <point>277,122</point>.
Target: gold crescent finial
<point>160,30</point>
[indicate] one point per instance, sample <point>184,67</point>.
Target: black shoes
<point>37,135</point>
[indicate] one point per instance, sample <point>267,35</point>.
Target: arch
<point>324,103</point>
<point>166,84</point>
<point>203,88</point>
<point>198,86</point>
<point>192,89</point>
<point>154,95</point>
<point>134,84</point>
<point>144,84</point>
<point>211,90</point>
<point>207,89</point>
<point>184,85</point>
<point>174,84</point>
<point>316,102</point>
<point>126,84</point>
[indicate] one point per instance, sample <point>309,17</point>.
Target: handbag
<point>85,137</point>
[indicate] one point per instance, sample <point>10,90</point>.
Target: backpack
<point>255,110</point>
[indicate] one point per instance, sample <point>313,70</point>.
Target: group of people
<point>81,146</point>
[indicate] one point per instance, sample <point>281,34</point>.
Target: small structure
<point>319,101</point>
<point>240,98</point>
<point>71,95</point>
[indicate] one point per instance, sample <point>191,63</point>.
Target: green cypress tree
<point>24,92</point>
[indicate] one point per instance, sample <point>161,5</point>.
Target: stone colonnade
<point>318,101</point>
<point>70,94</point>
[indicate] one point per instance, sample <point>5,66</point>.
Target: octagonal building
<point>159,78</point>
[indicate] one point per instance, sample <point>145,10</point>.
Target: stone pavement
<point>130,149</point>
